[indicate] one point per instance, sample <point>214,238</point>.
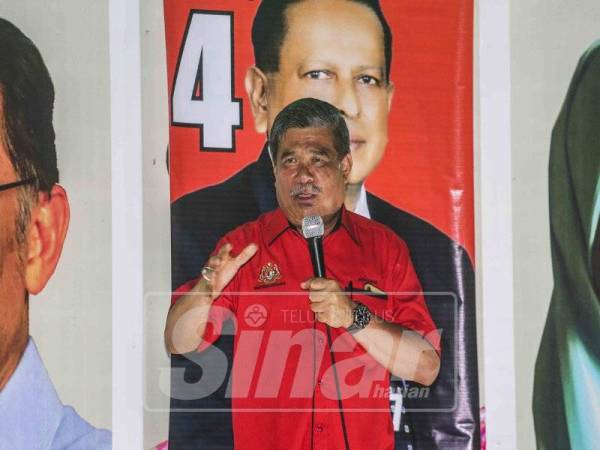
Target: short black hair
<point>27,96</point>
<point>310,113</point>
<point>269,29</point>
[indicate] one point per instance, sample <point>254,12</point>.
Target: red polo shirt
<point>285,381</point>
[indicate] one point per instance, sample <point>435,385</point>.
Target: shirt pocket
<point>369,292</point>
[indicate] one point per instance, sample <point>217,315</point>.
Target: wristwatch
<point>362,316</point>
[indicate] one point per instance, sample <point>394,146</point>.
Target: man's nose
<point>347,99</point>
<point>304,173</point>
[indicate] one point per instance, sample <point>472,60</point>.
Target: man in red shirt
<point>312,357</point>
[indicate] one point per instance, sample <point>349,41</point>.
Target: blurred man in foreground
<point>34,217</point>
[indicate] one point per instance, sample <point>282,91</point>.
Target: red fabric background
<point>428,166</point>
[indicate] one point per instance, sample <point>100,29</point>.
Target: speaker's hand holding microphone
<point>329,303</point>
<point>327,299</point>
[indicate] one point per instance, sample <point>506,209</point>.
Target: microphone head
<point>312,226</point>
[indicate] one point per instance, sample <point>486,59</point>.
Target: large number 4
<point>203,88</point>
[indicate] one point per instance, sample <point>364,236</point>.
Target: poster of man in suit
<point>401,74</point>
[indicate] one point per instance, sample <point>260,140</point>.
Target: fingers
<point>224,255</point>
<point>329,304</point>
<point>246,254</point>
<point>213,262</point>
<point>318,296</point>
<point>330,316</point>
<point>225,250</point>
<point>318,307</point>
<point>318,284</point>
<point>320,289</point>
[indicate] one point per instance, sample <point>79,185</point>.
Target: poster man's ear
<point>346,165</point>
<point>390,95</point>
<point>257,90</point>
<point>45,237</point>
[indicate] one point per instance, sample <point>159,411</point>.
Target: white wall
<point>71,318</point>
<point>157,248</point>
<point>494,222</point>
<point>547,38</point>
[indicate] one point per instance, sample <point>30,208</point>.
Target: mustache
<point>309,188</point>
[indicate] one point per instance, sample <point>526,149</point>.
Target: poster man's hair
<point>269,28</point>
<point>27,97</point>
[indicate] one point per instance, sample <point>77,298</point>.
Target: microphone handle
<point>315,246</point>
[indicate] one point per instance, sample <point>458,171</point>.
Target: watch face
<point>362,316</point>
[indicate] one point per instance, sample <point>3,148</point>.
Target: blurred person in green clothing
<point>566,397</point>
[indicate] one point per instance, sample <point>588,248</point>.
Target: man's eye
<point>289,161</point>
<point>318,75</point>
<point>369,80</point>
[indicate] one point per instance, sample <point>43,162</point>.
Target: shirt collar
<point>275,227</point>
<point>362,207</point>
<point>30,410</point>
<point>279,223</point>
<point>349,224</point>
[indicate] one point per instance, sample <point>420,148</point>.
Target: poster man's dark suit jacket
<point>451,416</point>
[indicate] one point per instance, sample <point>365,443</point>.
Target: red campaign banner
<point>427,168</point>
<point>422,188</point>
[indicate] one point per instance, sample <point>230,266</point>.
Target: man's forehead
<point>7,172</point>
<point>312,9</point>
<point>309,134</point>
<point>6,167</point>
<point>326,26</point>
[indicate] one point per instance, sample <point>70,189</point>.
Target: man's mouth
<point>305,194</point>
<point>305,189</point>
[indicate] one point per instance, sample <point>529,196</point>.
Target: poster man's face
<point>334,51</point>
<point>309,175</point>
<point>27,263</point>
<point>13,306</point>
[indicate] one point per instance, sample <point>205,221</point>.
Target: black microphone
<point>313,231</point>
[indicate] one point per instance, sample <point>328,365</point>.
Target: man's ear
<point>346,165</point>
<point>45,237</point>
<point>256,84</point>
<point>390,95</point>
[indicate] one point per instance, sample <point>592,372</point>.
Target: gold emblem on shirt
<point>269,273</point>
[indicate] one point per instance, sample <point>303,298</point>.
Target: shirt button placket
<point>320,437</point>
<point>319,429</point>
